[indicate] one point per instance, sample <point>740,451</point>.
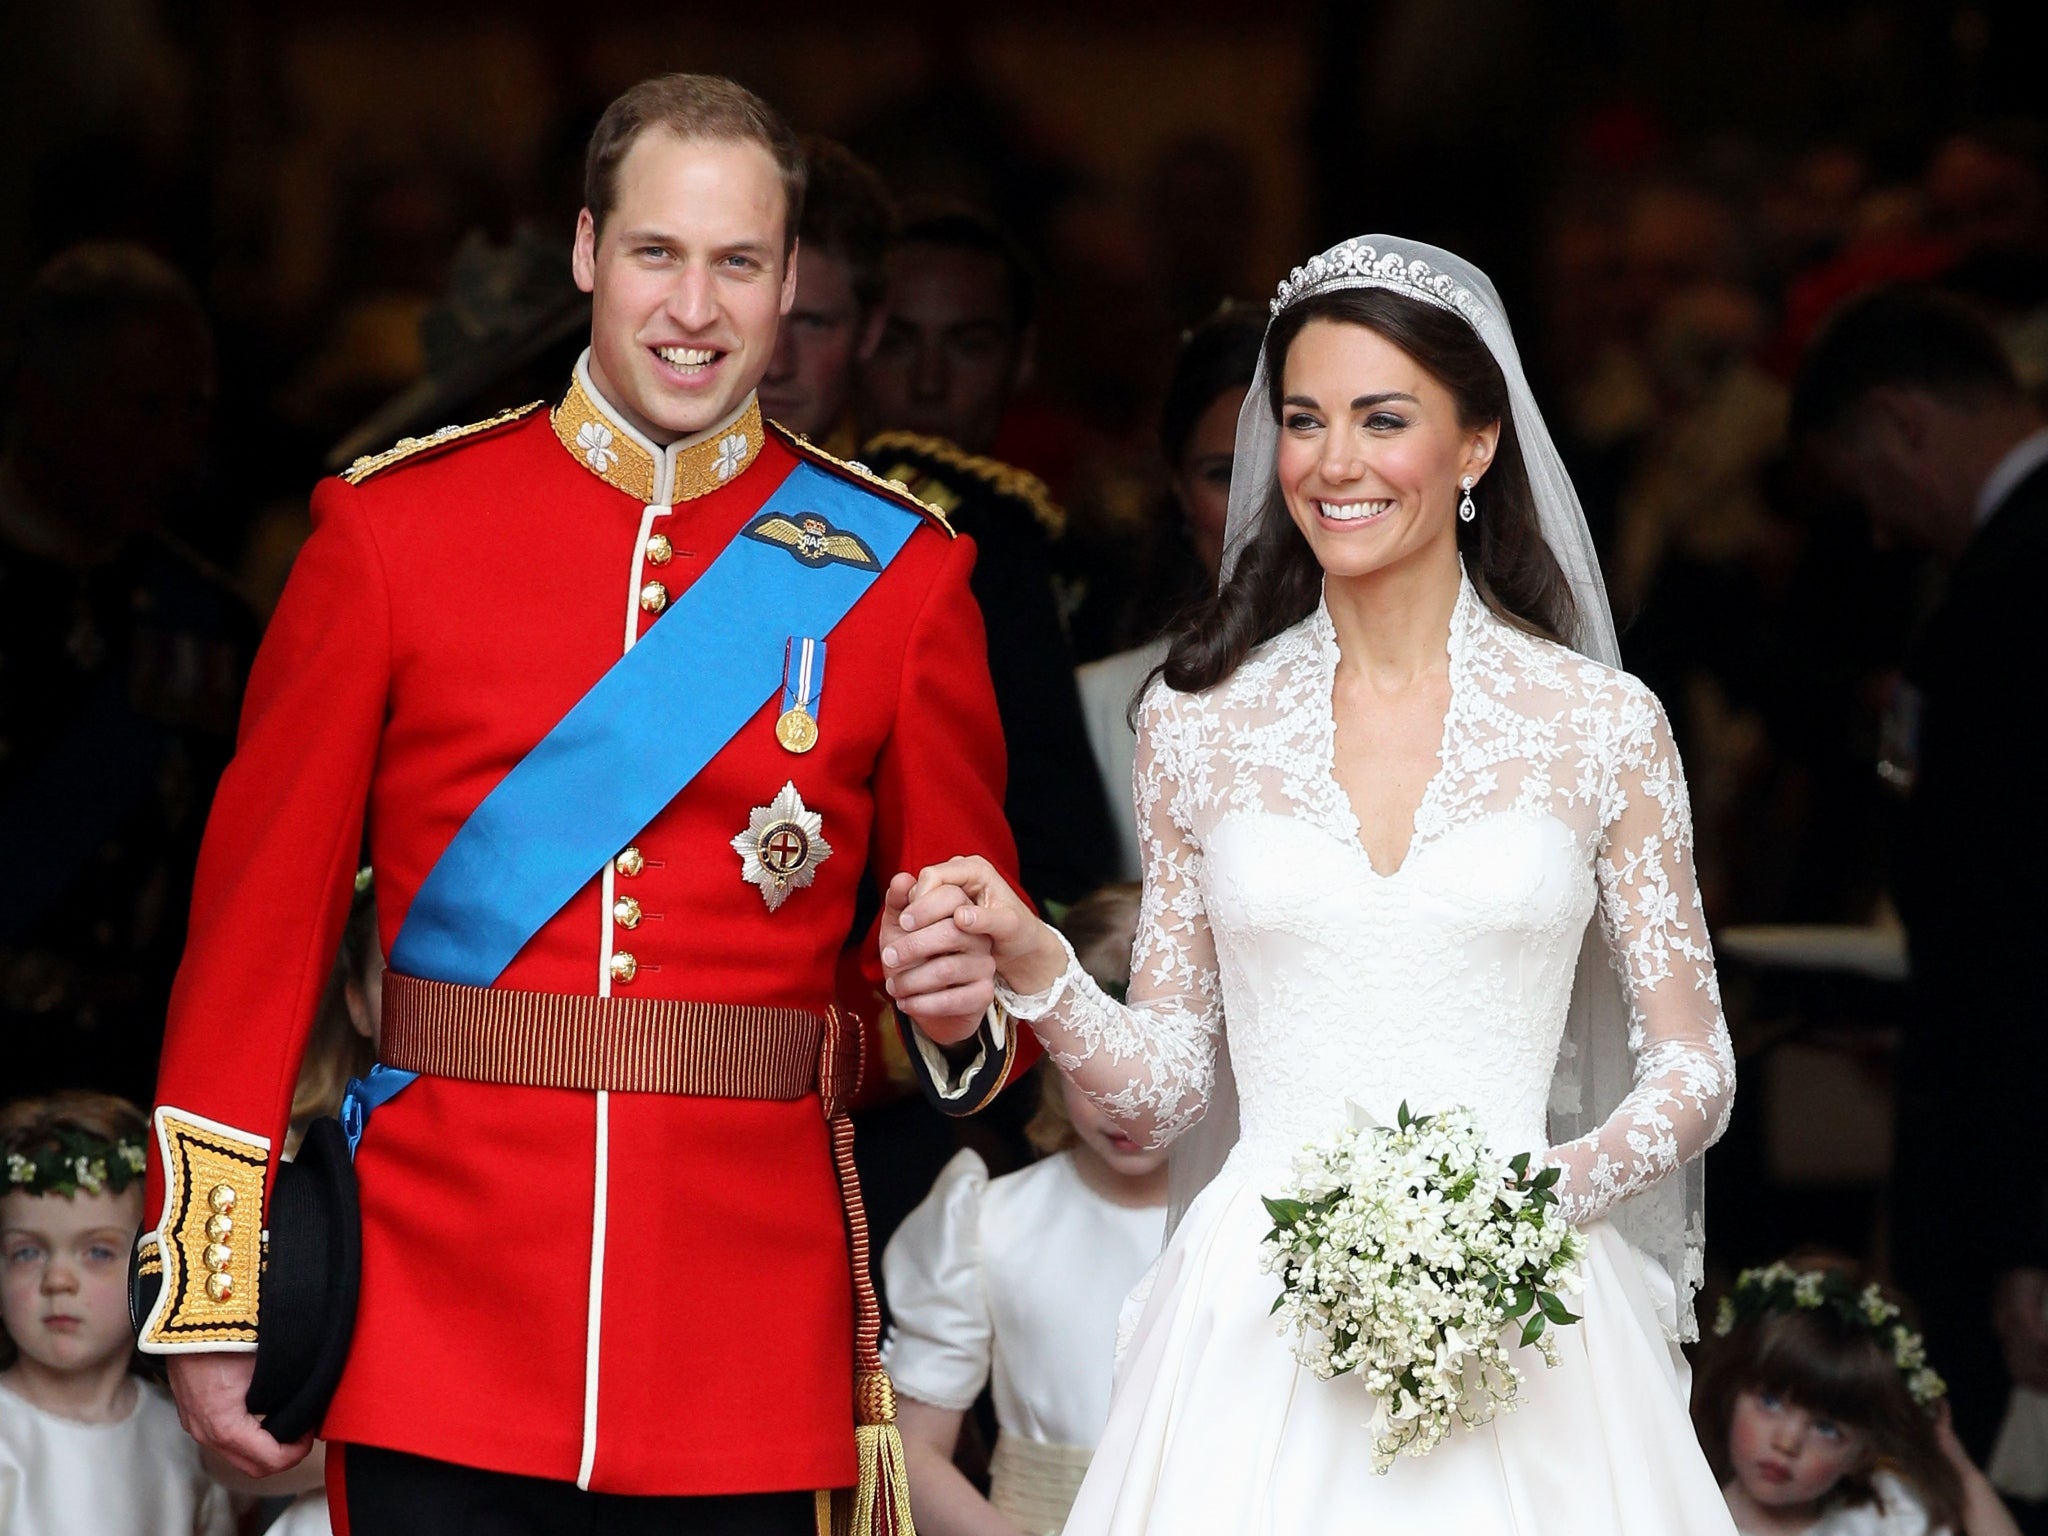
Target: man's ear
<point>869,336</point>
<point>583,252</point>
<point>788,299</point>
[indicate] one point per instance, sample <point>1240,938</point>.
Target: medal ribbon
<point>803,675</point>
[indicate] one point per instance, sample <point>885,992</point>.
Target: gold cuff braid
<point>209,1239</point>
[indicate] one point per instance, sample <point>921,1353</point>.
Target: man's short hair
<point>691,107</point>
<point>1899,338</point>
<point>959,227</point>
<point>848,213</point>
<point>81,296</point>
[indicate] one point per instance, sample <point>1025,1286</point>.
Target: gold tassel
<point>879,1504</point>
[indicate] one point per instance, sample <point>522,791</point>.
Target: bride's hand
<point>967,895</point>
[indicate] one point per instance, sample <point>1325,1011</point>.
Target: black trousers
<point>389,1493</point>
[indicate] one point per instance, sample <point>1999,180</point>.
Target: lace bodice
<point>1445,982</point>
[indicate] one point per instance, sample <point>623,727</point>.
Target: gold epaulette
<point>897,491</point>
<point>406,447</point>
<point>208,1244</point>
<point>1006,479</point>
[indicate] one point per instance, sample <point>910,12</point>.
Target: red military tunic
<point>647,1294</point>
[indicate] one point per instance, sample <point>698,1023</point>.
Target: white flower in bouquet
<point>1405,1253</point>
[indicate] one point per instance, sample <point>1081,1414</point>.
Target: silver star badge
<point>782,847</point>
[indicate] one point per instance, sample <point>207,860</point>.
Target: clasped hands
<point>947,933</point>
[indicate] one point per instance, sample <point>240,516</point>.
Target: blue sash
<point>639,736</point>
<point>646,728</point>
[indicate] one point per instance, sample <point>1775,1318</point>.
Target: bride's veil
<point>1595,1066</point>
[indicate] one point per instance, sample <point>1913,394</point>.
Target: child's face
<point>1785,1455</point>
<point>1105,1138</point>
<point>64,1275</point>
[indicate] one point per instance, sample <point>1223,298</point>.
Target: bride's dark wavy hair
<point>1277,580</point>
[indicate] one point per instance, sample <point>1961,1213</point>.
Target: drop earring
<point>1466,511</point>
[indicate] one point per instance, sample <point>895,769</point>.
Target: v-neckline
<point>1326,629</point>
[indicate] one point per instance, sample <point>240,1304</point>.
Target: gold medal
<point>803,684</point>
<point>797,730</point>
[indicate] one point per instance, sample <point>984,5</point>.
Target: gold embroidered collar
<point>653,475</point>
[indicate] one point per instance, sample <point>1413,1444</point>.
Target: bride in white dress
<point>1383,812</point>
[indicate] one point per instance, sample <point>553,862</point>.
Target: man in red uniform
<point>573,663</point>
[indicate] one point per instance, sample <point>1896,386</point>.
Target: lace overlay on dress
<point>1558,794</point>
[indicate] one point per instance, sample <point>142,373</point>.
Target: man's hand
<point>938,973</point>
<point>2017,1313</point>
<point>212,1390</point>
<point>929,922</point>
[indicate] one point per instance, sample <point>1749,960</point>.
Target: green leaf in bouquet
<point>1520,1163</point>
<point>1532,1330</point>
<point>1402,1118</point>
<point>1520,1299</point>
<point>1285,1213</point>
<point>1554,1308</point>
<point>1549,1176</point>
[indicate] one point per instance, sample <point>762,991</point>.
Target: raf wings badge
<point>813,540</point>
<point>782,848</point>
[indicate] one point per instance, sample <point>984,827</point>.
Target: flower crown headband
<point>1361,264</point>
<point>1782,1288</point>
<point>66,1160</point>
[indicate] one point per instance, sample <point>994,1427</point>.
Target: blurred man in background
<point>122,658</point>
<point>956,346</point>
<point>961,332</point>
<point>1909,403</point>
<point>849,224</point>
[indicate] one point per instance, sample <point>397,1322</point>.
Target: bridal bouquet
<point>1405,1253</point>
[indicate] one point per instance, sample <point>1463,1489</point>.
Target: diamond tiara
<point>1359,264</point>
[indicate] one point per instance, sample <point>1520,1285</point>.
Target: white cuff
<point>952,1082</point>
<point>1038,1004</point>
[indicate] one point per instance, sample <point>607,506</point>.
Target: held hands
<point>945,936</point>
<point>212,1391</point>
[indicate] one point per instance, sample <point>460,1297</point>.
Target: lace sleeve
<point>1650,910</point>
<point>1149,1062</point>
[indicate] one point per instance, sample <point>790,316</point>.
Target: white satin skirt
<point>1214,1427</point>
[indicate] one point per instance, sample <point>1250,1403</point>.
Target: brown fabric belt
<point>710,1050</point>
<point>620,1044</point>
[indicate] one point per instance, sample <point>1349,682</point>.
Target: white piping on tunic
<point>593,1326</point>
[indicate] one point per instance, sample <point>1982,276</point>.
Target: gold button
<point>218,1256</point>
<point>626,912</point>
<point>659,549</point>
<point>220,1228</point>
<point>654,597</point>
<point>629,863</point>
<point>220,1287</point>
<point>624,967</point>
<point>221,1197</point>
